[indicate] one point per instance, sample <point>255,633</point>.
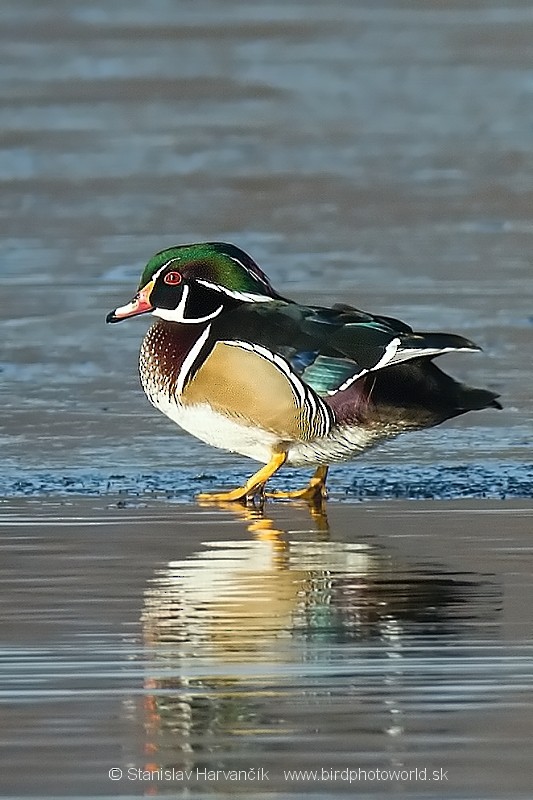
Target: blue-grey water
<point>377,153</point>
<point>169,643</point>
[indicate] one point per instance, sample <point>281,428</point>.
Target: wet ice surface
<point>380,156</point>
<point>367,481</point>
<point>373,153</point>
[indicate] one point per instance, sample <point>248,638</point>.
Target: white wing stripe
<point>388,356</point>
<point>408,354</point>
<point>399,356</point>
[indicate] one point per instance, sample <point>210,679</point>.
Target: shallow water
<point>391,636</point>
<point>374,153</point>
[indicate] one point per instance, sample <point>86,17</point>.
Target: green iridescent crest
<point>217,263</point>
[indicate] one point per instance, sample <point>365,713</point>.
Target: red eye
<point>172,278</point>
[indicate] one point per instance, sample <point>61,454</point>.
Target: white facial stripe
<point>190,359</point>
<point>178,314</point>
<point>160,270</point>
<point>249,271</point>
<point>246,297</point>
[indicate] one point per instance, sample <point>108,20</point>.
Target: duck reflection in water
<point>240,632</point>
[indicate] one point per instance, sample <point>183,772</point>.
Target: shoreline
<point>505,479</point>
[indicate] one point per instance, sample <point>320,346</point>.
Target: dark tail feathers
<point>469,399</point>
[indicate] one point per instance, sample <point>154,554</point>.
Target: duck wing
<point>330,348</point>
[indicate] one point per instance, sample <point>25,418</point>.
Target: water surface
<point>385,636</point>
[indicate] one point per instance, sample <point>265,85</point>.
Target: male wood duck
<point>242,368</point>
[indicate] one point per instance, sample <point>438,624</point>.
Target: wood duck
<point>242,368</point>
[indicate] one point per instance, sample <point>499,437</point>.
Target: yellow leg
<point>315,489</point>
<point>253,485</point>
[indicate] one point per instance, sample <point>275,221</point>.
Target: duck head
<point>195,282</point>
